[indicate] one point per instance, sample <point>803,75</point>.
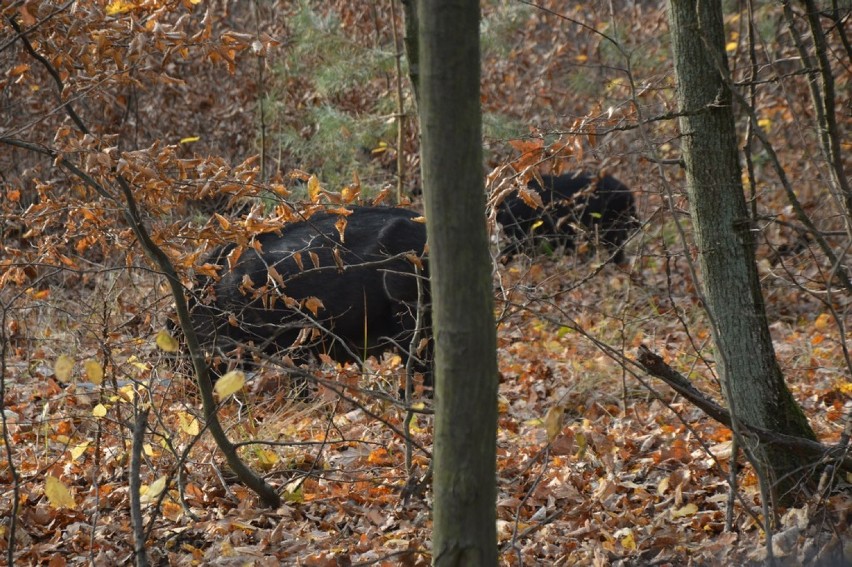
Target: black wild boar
<point>601,206</point>
<point>312,291</point>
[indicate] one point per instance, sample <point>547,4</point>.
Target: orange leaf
<point>234,257</point>
<point>314,305</point>
<point>223,222</point>
<point>27,18</point>
<point>340,225</point>
<point>19,69</point>
<point>531,198</point>
<point>527,146</point>
<point>676,451</point>
<point>822,322</point>
<point>380,457</point>
<point>41,294</point>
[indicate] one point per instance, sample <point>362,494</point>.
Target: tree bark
<point>753,384</point>
<point>412,45</point>
<point>464,513</point>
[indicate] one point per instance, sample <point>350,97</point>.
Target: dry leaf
<point>63,368</point>
<point>230,383</point>
<point>58,494</point>
<point>94,371</point>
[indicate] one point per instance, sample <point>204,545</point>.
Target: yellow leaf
<point>415,426</point>
<point>231,382</point>
<point>293,492</point>
<point>157,487</point>
<point>78,451</point>
<point>93,371</point>
<point>127,393</point>
<point>313,188</point>
<point>350,193</point>
<point>580,439</point>
<point>266,458</point>
<point>628,542</point>
<point>687,510</point>
<point>190,139</point>
<point>99,411</point>
<point>154,490</point>
<point>553,422</point>
<point>822,322</point>
<point>166,342</point>
<point>63,367</point>
<point>188,423</point>
<point>119,7</point>
<point>764,123</point>
<point>58,494</point>
<point>134,361</point>
<point>731,46</point>
<point>613,84</point>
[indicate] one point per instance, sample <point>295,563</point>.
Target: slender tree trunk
<point>464,530</point>
<point>412,45</point>
<point>753,384</point>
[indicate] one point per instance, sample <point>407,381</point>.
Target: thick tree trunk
<point>754,386</point>
<point>460,269</point>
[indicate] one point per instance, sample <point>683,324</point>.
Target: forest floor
<point>598,463</point>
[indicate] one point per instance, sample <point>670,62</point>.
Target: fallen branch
<point>654,365</point>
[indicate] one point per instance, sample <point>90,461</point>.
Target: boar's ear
<point>402,235</point>
<point>398,237</point>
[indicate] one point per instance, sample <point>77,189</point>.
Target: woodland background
<point>225,115</point>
